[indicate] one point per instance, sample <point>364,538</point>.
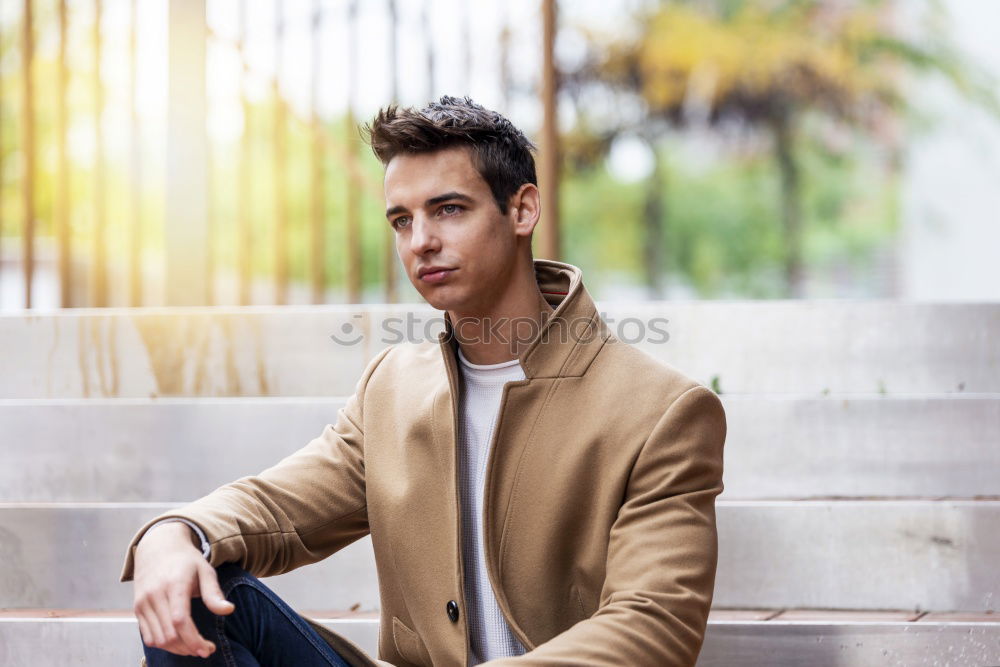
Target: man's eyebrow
<point>448,196</point>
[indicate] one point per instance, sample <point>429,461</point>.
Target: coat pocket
<point>347,649</point>
<point>409,645</point>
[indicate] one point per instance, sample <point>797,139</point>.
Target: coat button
<point>452,608</point>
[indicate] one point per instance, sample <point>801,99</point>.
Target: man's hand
<point>169,571</point>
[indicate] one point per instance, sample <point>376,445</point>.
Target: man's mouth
<point>437,276</point>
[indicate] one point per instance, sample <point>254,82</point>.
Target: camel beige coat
<point>600,499</point>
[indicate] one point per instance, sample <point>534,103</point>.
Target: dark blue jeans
<point>263,630</point>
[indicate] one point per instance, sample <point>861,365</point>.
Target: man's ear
<point>525,209</point>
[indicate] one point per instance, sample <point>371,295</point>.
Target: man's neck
<point>507,330</point>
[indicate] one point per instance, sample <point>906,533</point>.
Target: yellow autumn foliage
<point>753,54</point>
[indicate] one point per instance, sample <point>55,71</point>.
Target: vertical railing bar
<point>505,74</point>
<point>549,154</point>
<point>244,232</point>
<point>354,266</point>
<point>187,145</point>
<point>317,236</point>
<point>135,170</point>
<point>393,50</point>
<point>465,55</point>
<point>211,197</point>
<point>2,120</point>
<point>279,172</point>
<point>99,297</point>
<point>391,295</point>
<point>62,208</point>
<point>425,26</point>
<point>28,189</point>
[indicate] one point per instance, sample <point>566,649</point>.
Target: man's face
<point>444,215</point>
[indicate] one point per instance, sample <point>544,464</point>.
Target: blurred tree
<point>762,65</point>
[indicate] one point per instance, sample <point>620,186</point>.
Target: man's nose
<point>423,236</point>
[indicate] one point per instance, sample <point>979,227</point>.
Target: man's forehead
<point>425,175</point>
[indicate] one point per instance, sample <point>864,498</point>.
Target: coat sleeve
<point>662,551</point>
<point>299,511</point>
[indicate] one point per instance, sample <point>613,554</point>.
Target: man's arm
<point>662,552</point>
<point>299,511</point>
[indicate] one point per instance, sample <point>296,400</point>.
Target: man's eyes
<point>447,209</point>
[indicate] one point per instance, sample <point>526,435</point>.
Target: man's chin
<point>435,299</point>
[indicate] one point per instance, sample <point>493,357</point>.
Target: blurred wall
<point>951,188</point>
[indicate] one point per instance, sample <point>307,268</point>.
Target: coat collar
<point>570,337</point>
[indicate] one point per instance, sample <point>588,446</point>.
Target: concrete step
<point>799,447</point>
<point>735,638</point>
<point>822,639</point>
<point>70,556</point>
<point>141,450</point>
<point>55,638</point>
<point>836,346</point>
<point>859,554</point>
<point>225,351</point>
<point>876,554</point>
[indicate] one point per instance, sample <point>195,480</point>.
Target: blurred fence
<point>162,152</point>
<point>207,151</point>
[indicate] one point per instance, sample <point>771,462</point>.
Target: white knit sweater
<point>489,635</point>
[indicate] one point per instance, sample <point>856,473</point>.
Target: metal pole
<point>244,227</point>
<point>549,154</point>
<point>2,120</point>
<point>506,82</point>
<point>279,166</point>
<point>465,54</point>
<point>99,296</point>
<point>354,248</point>
<point>27,59</point>
<point>135,175</point>
<point>187,151</point>
<point>211,217</point>
<point>425,21</point>
<point>388,235</point>
<point>317,236</point>
<point>62,183</point>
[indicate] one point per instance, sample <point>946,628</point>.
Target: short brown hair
<point>500,152</point>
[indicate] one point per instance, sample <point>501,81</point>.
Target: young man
<point>537,492</point>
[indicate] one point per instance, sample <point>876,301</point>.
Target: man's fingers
<point>143,610</point>
<point>171,640</point>
<point>147,639</point>
<point>154,636</point>
<point>211,594</point>
<point>180,618</point>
